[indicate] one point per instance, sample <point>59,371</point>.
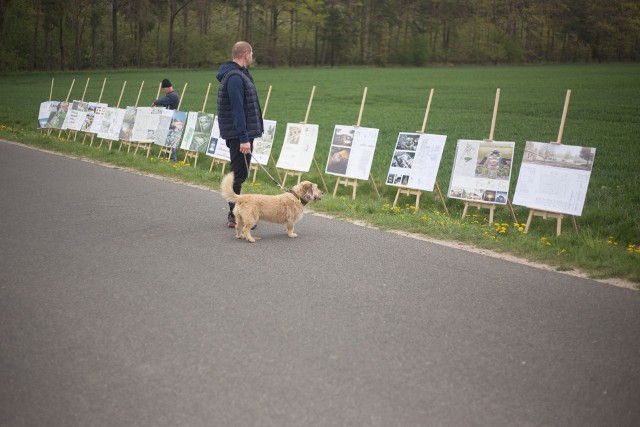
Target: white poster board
<point>88,118</point>
<point>351,152</point>
<point>197,134</point>
<point>47,109</point>
<point>126,127</point>
<point>146,124</point>
<point>554,177</point>
<point>217,146</point>
<point>298,148</point>
<point>482,171</point>
<point>262,146</point>
<point>75,116</point>
<point>98,116</point>
<point>111,123</point>
<point>416,160</point>
<point>170,128</point>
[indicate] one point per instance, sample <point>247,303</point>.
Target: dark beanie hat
<point>166,83</point>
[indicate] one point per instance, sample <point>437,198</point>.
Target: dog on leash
<point>286,208</point>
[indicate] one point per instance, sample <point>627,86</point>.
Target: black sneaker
<point>231,220</point>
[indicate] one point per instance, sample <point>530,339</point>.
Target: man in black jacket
<point>239,114</point>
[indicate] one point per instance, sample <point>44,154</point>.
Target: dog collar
<point>302,202</point>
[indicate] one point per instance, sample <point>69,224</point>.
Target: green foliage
<point>602,114</point>
<point>53,34</point>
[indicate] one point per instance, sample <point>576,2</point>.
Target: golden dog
<point>286,208</point>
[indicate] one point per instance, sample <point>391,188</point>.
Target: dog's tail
<point>227,187</point>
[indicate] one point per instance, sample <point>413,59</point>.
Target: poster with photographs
<point>88,118</point>
<point>75,116</point>
<point>146,124</point>
<point>98,115</point>
<point>197,134</point>
<point>298,148</point>
<point>262,146</point>
<point>351,152</point>
<point>47,109</point>
<point>217,146</point>
<point>416,160</point>
<point>481,171</point>
<point>170,128</point>
<point>126,127</point>
<point>111,123</point>
<point>57,115</point>
<point>554,177</point>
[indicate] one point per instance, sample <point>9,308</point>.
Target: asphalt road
<point>124,301</point>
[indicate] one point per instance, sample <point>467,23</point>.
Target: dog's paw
<point>251,240</point>
<point>292,235</point>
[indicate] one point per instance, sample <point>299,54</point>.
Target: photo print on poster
<point>554,177</point>
<point>57,118</point>
<point>481,171</point>
<point>197,134</point>
<point>416,160</point>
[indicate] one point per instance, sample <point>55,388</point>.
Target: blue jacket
<point>171,101</point>
<point>239,112</point>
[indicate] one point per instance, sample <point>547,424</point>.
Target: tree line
<point>100,34</point>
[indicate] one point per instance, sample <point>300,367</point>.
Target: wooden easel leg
<point>355,187</point>
<point>513,213</point>
<point>491,209</point>
<point>395,201</point>
<point>559,225</point>
<point>375,187</point>
<point>444,205</point>
<point>418,200</point>
<point>573,222</point>
<point>464,211</point>
<point>526,229</point>
<point>196,161</point>
<point>326,190</point>
<point>335,190</point>
<point>299,177</point>
<point>212,162</point>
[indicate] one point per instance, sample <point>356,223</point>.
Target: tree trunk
<point>114,34</point>
<point>60,40</point>
<point>34,46</point>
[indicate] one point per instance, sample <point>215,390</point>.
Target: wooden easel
<point>411,191</point>
<point>168,150</point>
<point>254,166</point>
<point>117,106</point>
<point>353,181</point>
<point>68,133</point>
<point>548,214</point>
<point>298,173</point>
<point>66,102</point>
<point>50,96</point>
<point>99,100</point>
<point>486,205</point>
<point>129,143</point>
<point>75,132</point>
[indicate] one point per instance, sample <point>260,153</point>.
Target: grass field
<point>603,113</point>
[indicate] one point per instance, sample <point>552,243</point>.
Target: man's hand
<point>245,148</point>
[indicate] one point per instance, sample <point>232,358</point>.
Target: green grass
<point>603,113</point>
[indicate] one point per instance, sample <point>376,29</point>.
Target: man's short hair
<point>240,48</point>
